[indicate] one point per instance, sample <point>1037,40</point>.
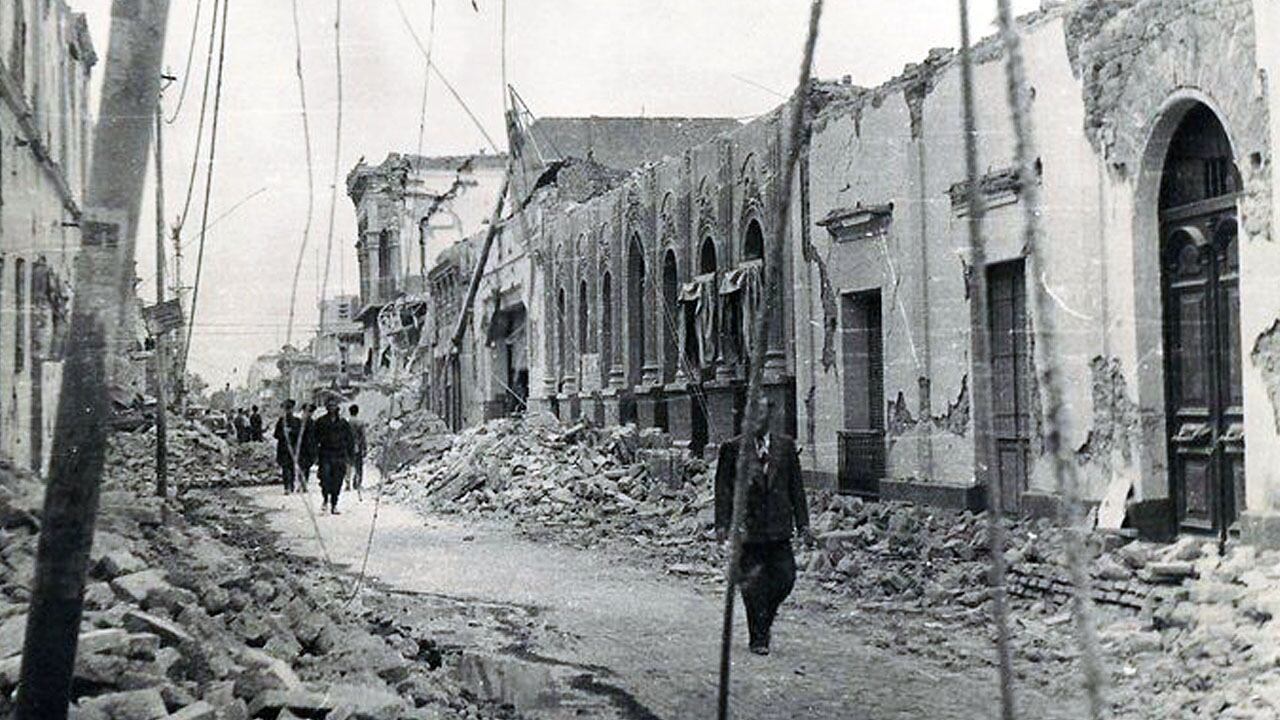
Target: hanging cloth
<point>752,294</point>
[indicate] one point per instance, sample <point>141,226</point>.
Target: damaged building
<point>46,57</point>
<point>627,298</point>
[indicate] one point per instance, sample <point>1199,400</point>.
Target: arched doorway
<point>584,326</point>
<point>1200,271</point>
<point>670,304</point>
<point>635,311</point>
<point>606,327</point>
<point>562,358</point>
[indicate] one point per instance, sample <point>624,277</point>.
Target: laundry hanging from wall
<point>744,281</point>
<point>700,293</point>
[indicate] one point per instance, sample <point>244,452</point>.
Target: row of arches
<point>590,325</point>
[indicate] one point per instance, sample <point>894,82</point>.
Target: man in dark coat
<point>288,430</point>
<point>775,510</point>
<point>255,425</point>
<point>335,446</point>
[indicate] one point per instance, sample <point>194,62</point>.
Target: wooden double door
<point>1205,404</point>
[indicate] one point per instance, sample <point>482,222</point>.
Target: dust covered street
<point>653,637</point>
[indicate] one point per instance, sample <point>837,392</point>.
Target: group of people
<point>247,425</point>
<point>328,441</point>
<point>775,505</point>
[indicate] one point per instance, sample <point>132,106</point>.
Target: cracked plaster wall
<point>1101,73</point>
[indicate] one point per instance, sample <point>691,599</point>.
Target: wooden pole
<point>161,336</point>
<point>1056,420</point>
<point>980,351</point>
<point>794,139</point>
<point>460,329</point>
<point>104,275</point>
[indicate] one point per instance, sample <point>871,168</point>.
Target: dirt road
<point>653,638</point>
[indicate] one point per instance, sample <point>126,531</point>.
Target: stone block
<point>199,710</point>
<point>118,562</point>
<point>135,587</point>
<point>129,705</point>
<point>170,633</point>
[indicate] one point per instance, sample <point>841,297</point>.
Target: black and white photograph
<point>639,360</point>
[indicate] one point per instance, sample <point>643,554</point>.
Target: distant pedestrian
<point>255,425</point>
<point>241,423</point>
<point>775,507</point>
<point>335,447</point>
<point>356,480</point>
<point>307,458</point>
<point>288,434</point>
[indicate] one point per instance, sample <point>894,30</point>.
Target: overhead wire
<point>794,137</point>
<point>1057,422</point>
<point>186,74</point>
<point>306,142</point>
<point>980,342</point>
<point>426,77</point>
<point>408,25</point>
<point>208,184</point>
<point>204,101</point>
<point>337,157</point>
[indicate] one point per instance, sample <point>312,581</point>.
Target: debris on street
<point>198,458</point>
<point>192,614</point>
<point>583,485</point>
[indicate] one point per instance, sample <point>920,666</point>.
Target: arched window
<point>584,343</point>
<point>669,315</point>
<point>707,256</point>
<point>561,347</point>
<point>606,326</point>
<point>753,243</point>
<point>635,310</point>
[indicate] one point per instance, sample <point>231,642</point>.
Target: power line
<point>208,182</point>
<point>186,74</point>
<point>204,99</point>
<point>448,85</point>
<point>306,140</point>
<point>426,79</point>
<point>337,157</point>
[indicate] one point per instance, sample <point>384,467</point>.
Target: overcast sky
<point>566,57</point>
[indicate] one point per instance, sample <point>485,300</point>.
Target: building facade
<point>1153,165</point>
<point>409,208</point>
<point>46,57</point>
<point>338,346</point>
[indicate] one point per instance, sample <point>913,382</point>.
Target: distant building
<point>408,208</point>
<point>46,58</point>
<point>338,346</point>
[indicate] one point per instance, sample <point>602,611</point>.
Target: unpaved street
<point>653,638</point>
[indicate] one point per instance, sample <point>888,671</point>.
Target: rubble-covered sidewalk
<point>191,613</point>
<point>1186,633</point>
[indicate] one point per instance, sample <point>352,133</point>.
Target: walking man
<point>335,447</point>
<point>775,510</point>
<point>287,434</point>
<point>361,445</point>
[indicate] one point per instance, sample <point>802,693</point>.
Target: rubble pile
<point>903,552</point>
<point>197,458</point>
<point>206,622</point>
<point>405,439</point>
<point>582,484</point>
<point>1207,642</point>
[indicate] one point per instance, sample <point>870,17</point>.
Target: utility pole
<point>795,138</point>
<point>161,334</point>
<point>180,390</point>
<point>104,270</point>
